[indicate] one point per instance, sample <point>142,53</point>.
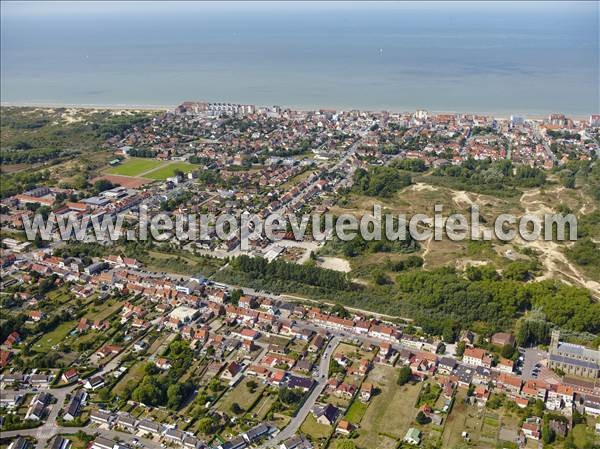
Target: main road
<point>309,403</point>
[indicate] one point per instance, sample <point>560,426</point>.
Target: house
<point>344,427</point>
<point>505,365</point>
<point>303,366</point>
<point>477,357</point>
<point>149,426</point>
<point>521,402</point>
<point>247,302</point>
<point>446,365</point>
<point>345,391</point>
<point>40,380</point>
<point>481,376</point>
<point>126,421</point>
<point>108,350</point>
<point>303,383</point>
<point>101,417</point>
<point>296,442</point>
<point>12,339</point>
<point>277,377</point>
<point>36,315</point>
<point>60,443</point>
<point>235,443</point>
<point>531,428</point>
<point>535,389</point>
<point>163,364</point>
<point>10,400</point>
<point>256,433</point>
<point>509,383</point>
<point>94,383</point>
<point>103,443</point>
<point>503,339</point>
<point>316,344</point>
<point>74,408</point>
<point>366,391</point>
<point>231,370</point>
<point>481,395</point>
<point>259,371</point>
<point>174,435</point>
<point>325,414</point>
<point>591,405</point>
<point>19,443</point>
<point>413,436</point>
<point>70,375</point>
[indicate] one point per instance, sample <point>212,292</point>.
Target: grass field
<point>240,394</point>
<point>181,262</point>
<point>135,166</point>
<point>168,170</point>
<point>134,375</point>
<point>50,339</point>
<point>104,311</point>
<point>313,429</point>
<point>395,404</point>
<point>264,405</point>
<point>483,427</point>
<point>356,411</point>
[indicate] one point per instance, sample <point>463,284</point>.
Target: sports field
<point>135,166</point>
<point>168,170</point>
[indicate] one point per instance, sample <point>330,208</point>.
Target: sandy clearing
<point>335,263</point>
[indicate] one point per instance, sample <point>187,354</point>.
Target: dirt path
<point>552,256</point>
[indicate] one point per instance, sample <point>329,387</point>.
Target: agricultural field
<point>135,166</point>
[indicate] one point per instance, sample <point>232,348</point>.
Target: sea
<point>503,58</point>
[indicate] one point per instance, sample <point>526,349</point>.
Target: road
<point>50,428</point>
<point>309,403</point>
<point>43,435</point>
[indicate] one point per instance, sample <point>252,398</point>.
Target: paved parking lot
<point>534,360</point>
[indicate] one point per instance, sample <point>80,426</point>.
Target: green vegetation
<point>169,170</point>
<point>276,270</point>
<point>404,375</point>
<point>359,246</point>
<point>356,411</point>
<point>165,389</point>
<point>586,252</point>
<point>487,177</point>
<point>444,301</point>
<point>31,135</point>
<point>380,181</point>
<point>135,167</point>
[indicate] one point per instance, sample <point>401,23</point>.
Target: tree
<point>236,409</point>
<point>252,385</point>
<point>422,418</point>
<point>507,351</point>
<point>548,434</point>
<point>340,311</point>
<point>404,375</point>
<point>460,348</point>
<point>206,425</point>
<point>174,395</point>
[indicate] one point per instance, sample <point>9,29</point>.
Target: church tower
<point>554,338</point>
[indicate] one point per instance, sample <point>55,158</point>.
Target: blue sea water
<point>502,58</point>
